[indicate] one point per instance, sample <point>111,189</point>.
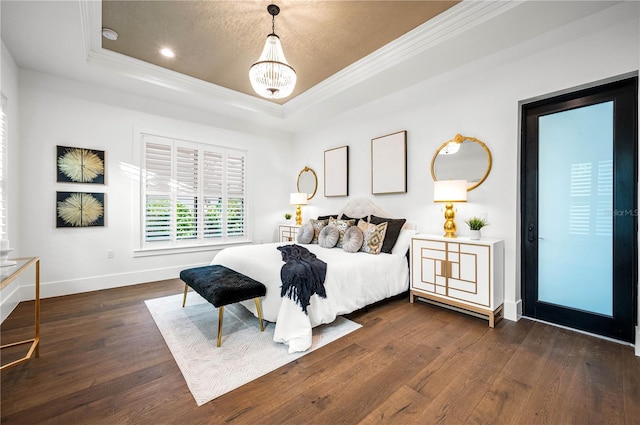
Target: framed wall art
<point>336,172</point>
<point>79,165</point>
<point>79,209</point>
<point>389,164</point>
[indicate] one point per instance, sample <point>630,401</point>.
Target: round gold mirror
<point>307,182</point>
<point>462,158</point>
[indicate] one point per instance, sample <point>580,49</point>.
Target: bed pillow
<point>404,240</point>
<point>353,239</point>
<point>305,234</point>
<point>327,217</point>
<point>342,226</point>
<point>329,236</point>
<point>357,220</point>
<point>393,231</point>
<point>373,235</point>
<point>317,227</point>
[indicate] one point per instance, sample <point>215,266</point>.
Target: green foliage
<point>287,216</point>
<point>185,221</point>
<point>476,223</point>
<point>158,212</point>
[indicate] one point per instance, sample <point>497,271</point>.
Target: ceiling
<point>61,40</point>
<point>218,41</point>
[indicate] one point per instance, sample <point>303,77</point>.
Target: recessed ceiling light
<point>167,52</point>
<point>109,34</point>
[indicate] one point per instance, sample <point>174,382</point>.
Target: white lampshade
<point>298,198</point>
<point>450,191</point>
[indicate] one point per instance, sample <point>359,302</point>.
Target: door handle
<point>531,234</point>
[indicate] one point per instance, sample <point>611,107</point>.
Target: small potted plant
<point>287,217</point>
<point>475,224</point>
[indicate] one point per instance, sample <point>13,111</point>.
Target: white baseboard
<point>513,310</point>
<point>9,299</point>
<point>96,283</point>
<point>637,344</point>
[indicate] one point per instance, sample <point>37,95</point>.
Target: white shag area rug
<point>245,354</point>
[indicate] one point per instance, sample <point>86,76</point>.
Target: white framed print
<point>336,172</point>
<point>389,164</point>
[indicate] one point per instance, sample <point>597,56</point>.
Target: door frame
<point>630,159</point>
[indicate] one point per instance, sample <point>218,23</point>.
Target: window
<point>192,193</point>
<point>4,226</point>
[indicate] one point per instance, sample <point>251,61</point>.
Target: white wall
<point>10,295</point>
<point>57,111</point>
<point>478,100</point>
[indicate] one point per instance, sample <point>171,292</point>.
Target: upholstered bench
<point>222,286</point>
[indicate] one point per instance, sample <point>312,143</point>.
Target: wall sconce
<point>449,191</point>
<point>298,199</point>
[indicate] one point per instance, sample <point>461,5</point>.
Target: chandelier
<point>271,76</point>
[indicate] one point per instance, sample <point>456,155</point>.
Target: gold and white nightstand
<point>459,273</point>
<point>287,232</point>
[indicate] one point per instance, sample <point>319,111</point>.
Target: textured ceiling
<point>218,41</point>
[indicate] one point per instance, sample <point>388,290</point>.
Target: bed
<point>352,281</point>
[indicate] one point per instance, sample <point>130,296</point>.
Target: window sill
<point>168,250</point>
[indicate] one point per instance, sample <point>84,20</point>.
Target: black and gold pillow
<point>393,230</point>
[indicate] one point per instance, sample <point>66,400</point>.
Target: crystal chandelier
<point>271,76</point>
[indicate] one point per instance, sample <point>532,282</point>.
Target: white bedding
<point>353,281</point>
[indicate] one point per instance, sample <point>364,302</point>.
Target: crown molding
<point>460,18</point>
<point>91,17</point>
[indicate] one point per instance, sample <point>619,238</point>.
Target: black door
<point>579,209</point>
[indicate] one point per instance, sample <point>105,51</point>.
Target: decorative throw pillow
<point>342,226</point>
<point>357,220</point>
<point>317,227</point>
<point>393,231</point>
<point>305,234</point>
<point>353,239</point>
<point>328,236</point>
<point>373,235</point>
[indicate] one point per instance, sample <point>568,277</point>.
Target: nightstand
<point>287,232</point>
<point>459,273</point>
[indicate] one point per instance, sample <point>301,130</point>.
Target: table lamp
<point>298,199</point>
<point>450,191</point>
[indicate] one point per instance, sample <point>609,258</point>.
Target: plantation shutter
<point>186,193</point>
<point>213,177</point>
<point>158,191</point>
<point>236,194</point>
<point>3,172</point>
<point>192,192</point>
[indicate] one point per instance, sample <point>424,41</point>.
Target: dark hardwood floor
<point>103,361</point>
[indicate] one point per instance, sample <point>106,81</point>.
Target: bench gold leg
<point>257,300</point>
<point>220,315</point>
<point>184,299</point>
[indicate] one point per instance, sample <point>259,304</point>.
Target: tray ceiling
<point>218,41</point>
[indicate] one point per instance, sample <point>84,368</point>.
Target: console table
<point>458,273</point>
<point>9,274</point>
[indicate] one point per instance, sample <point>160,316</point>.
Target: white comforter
<point>353,281</point>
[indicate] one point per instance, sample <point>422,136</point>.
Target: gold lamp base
<point>449,223</point>
<point>298,215</point>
